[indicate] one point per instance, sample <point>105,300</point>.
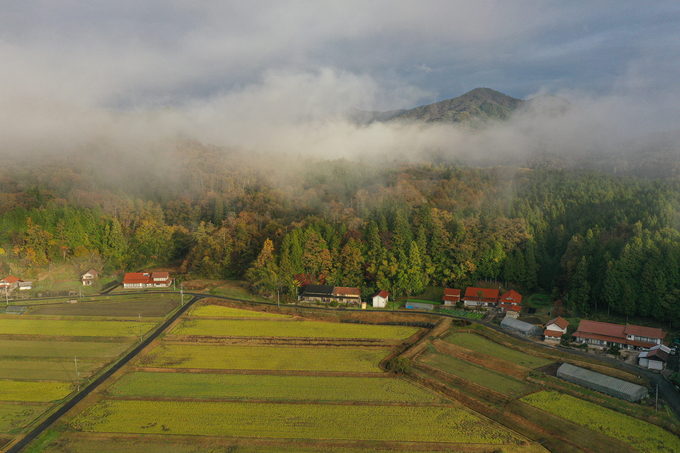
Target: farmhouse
<point>380,299</point>
<point>147,280</point>
<point>328,293</point>
<point>89,277</point>
<point>480,296</point>
<point>9,283</point>
<point>555,328</point>
<point>520,327</point>
<point>625,337</point>
<point>602,383</point>
<point>347,295</point>
<point>451,296</point>
<point>655,358</point>
<point>511,301</point>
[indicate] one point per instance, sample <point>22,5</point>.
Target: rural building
<point>347,295</point>
<point>602,383</point>
<point>16,310</point>
<point>451,296</point>
<point>419,306</point>
<point>89,277</point>
<point>380,299</point>
<point>24,286</point>
<point>520,327</point>
<point>147,280</point>
<point>511,301</point>
<point>486,297</point>
<point>655,358</point>
<point>328,293</point>
<point>607,335</point>
<point>9,283</point>
<point>555,328</point>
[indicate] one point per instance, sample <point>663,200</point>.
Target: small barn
<point>419,306</point>
<point>520,327</point>
<point>655,358</point>
<point>380,299</point>
<point>602,383</point>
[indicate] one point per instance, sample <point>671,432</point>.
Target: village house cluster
<point>10,283</point>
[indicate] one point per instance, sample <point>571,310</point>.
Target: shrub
<point>614,350</point>
<point>400,365</point>
<point>334,303</point>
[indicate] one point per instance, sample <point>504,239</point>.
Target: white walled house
<point>555,328</point>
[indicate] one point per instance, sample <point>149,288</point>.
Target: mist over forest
<point>435,145</point>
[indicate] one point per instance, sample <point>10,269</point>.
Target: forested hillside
<point>597,241</point>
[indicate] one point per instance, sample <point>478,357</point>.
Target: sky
<point>245,73</point>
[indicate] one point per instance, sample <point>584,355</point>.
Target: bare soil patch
<point>156,308</point>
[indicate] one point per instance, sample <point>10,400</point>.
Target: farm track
<point>33,434</point>
<point>278,341</point>
<point>260,372</point>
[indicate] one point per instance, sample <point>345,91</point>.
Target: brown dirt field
<point>486,361</point>
<point>274,341</point>
<point>113,443</point>
<point>157,308</point>
<point>260,372</point>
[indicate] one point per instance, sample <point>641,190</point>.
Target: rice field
<point>292,421</point>
<point>291,329</point>
<point>265,358</point>
<point>72,328</point>
<point>274,387</point>
<point>37,348</point>
<point>642,436</point>
<point>16,416</point>
<point>32,391</point>
<point>475,374</point>
<point>51,370</point>
<point>482,345</point>
<point>220,311</point>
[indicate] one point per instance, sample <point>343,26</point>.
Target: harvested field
<point>293,421</point>
<point>36,348</point>
<point>220,311</point>
<point>58,327</point>
<point>275,387</point>
<point>32,391</point>
<point>485,346</point>
<point>61,370</point>
<point>16,416</point>
<point>641,435</point>
<point>475,374</point>
<point>265,358</point>
<point>107,443</point>
<point>290,329</point>
<point>151,308</point>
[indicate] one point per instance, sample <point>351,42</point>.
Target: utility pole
<point>141,338</point>
<point>75,360</point>
<point>656,404</point>
<point>278,299</point>
<point>181,292</point>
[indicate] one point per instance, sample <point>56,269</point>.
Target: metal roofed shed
<point>419,306</point>
<point>520,327</point>
<point>602,383</point>
<point>15,310</point>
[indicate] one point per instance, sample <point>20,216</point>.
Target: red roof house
<point>9,283</point>
<point>629,336</point>
<point>146,280</point>
<point>511,300</point>
<point>489,296</point>
<point>451,296</point>
<point>555,328</point>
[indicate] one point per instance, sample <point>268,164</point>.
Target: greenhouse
<point>602,383</point>
<point>520,327</point>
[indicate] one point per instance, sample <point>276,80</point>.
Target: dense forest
<point>594,240</point>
